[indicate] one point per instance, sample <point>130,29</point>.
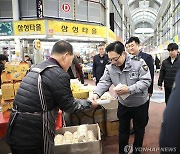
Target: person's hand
<point>123,90</point>
<point>94,104</point>
<point>150,94</point>
<point>94,97</point>
<point>160,87</point>
<point>94,78</point>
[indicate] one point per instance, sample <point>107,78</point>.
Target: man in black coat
<point>168,70</point>
<point>170,134</point>
<point>99,62</point>
<point>43,91</point>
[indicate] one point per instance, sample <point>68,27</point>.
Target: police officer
<point>134,75</point>
<point>170,134</point>
<point>133,48</point>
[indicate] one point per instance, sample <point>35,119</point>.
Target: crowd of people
<point>46,88</point>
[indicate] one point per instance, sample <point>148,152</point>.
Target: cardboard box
<point>16,87</point>
<point>111,109</point>
<point>80,148</point>
<point>112,128</point>
<point>108,123</point>
<point>16,76</point>
<point>5,77</point>
<point>6,105</point>
<point>7,91</point>
<point>86,117</point>
<point>17,70</point>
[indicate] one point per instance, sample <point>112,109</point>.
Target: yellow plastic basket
<point>81,94</point>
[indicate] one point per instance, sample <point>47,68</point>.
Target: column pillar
<point>107,14</point>
<point>123,21</point>
<point>15,8</point>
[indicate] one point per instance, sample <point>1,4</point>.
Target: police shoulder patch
<point>145,67</point>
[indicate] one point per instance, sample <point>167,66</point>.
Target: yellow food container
<point>81,94</point>
<point>5,77</point>
<point>16,87</point>
<point>7,91</point>
<point>7,105</point>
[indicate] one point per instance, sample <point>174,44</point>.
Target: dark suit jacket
<point>150,62</point>
<point>99,64</point>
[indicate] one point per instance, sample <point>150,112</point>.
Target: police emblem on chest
<point>101,61</point>
<point>133,75</point>
<point>145,67</point>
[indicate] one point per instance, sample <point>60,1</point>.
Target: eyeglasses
<point>115,59</point>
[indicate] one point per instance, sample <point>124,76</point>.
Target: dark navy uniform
<point>170,129</point>
<point>99,64</point>
<point>149,61</point>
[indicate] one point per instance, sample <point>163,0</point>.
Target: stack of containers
<point>11,78</point>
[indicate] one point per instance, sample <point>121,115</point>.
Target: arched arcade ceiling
<point>144,12</point>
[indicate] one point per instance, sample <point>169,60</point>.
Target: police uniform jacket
<point>26,129</point>
<point>135,75</point>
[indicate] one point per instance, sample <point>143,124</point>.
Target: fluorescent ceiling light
<point>23,37</point>
<point>96,39</point>
<point>144,30</point>
<point>78,38</point>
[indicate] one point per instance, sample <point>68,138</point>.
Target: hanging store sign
<point>66,7</point>
<point>6,28</point>
<point>33,27</point>
<point>37,44</point>
<point>39,5</point>
<point>74,29</point>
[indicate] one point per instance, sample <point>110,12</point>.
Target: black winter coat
<point>170,134</point>
<point>150,62</point>
<point>26,131</point>
<point>168,72</point>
